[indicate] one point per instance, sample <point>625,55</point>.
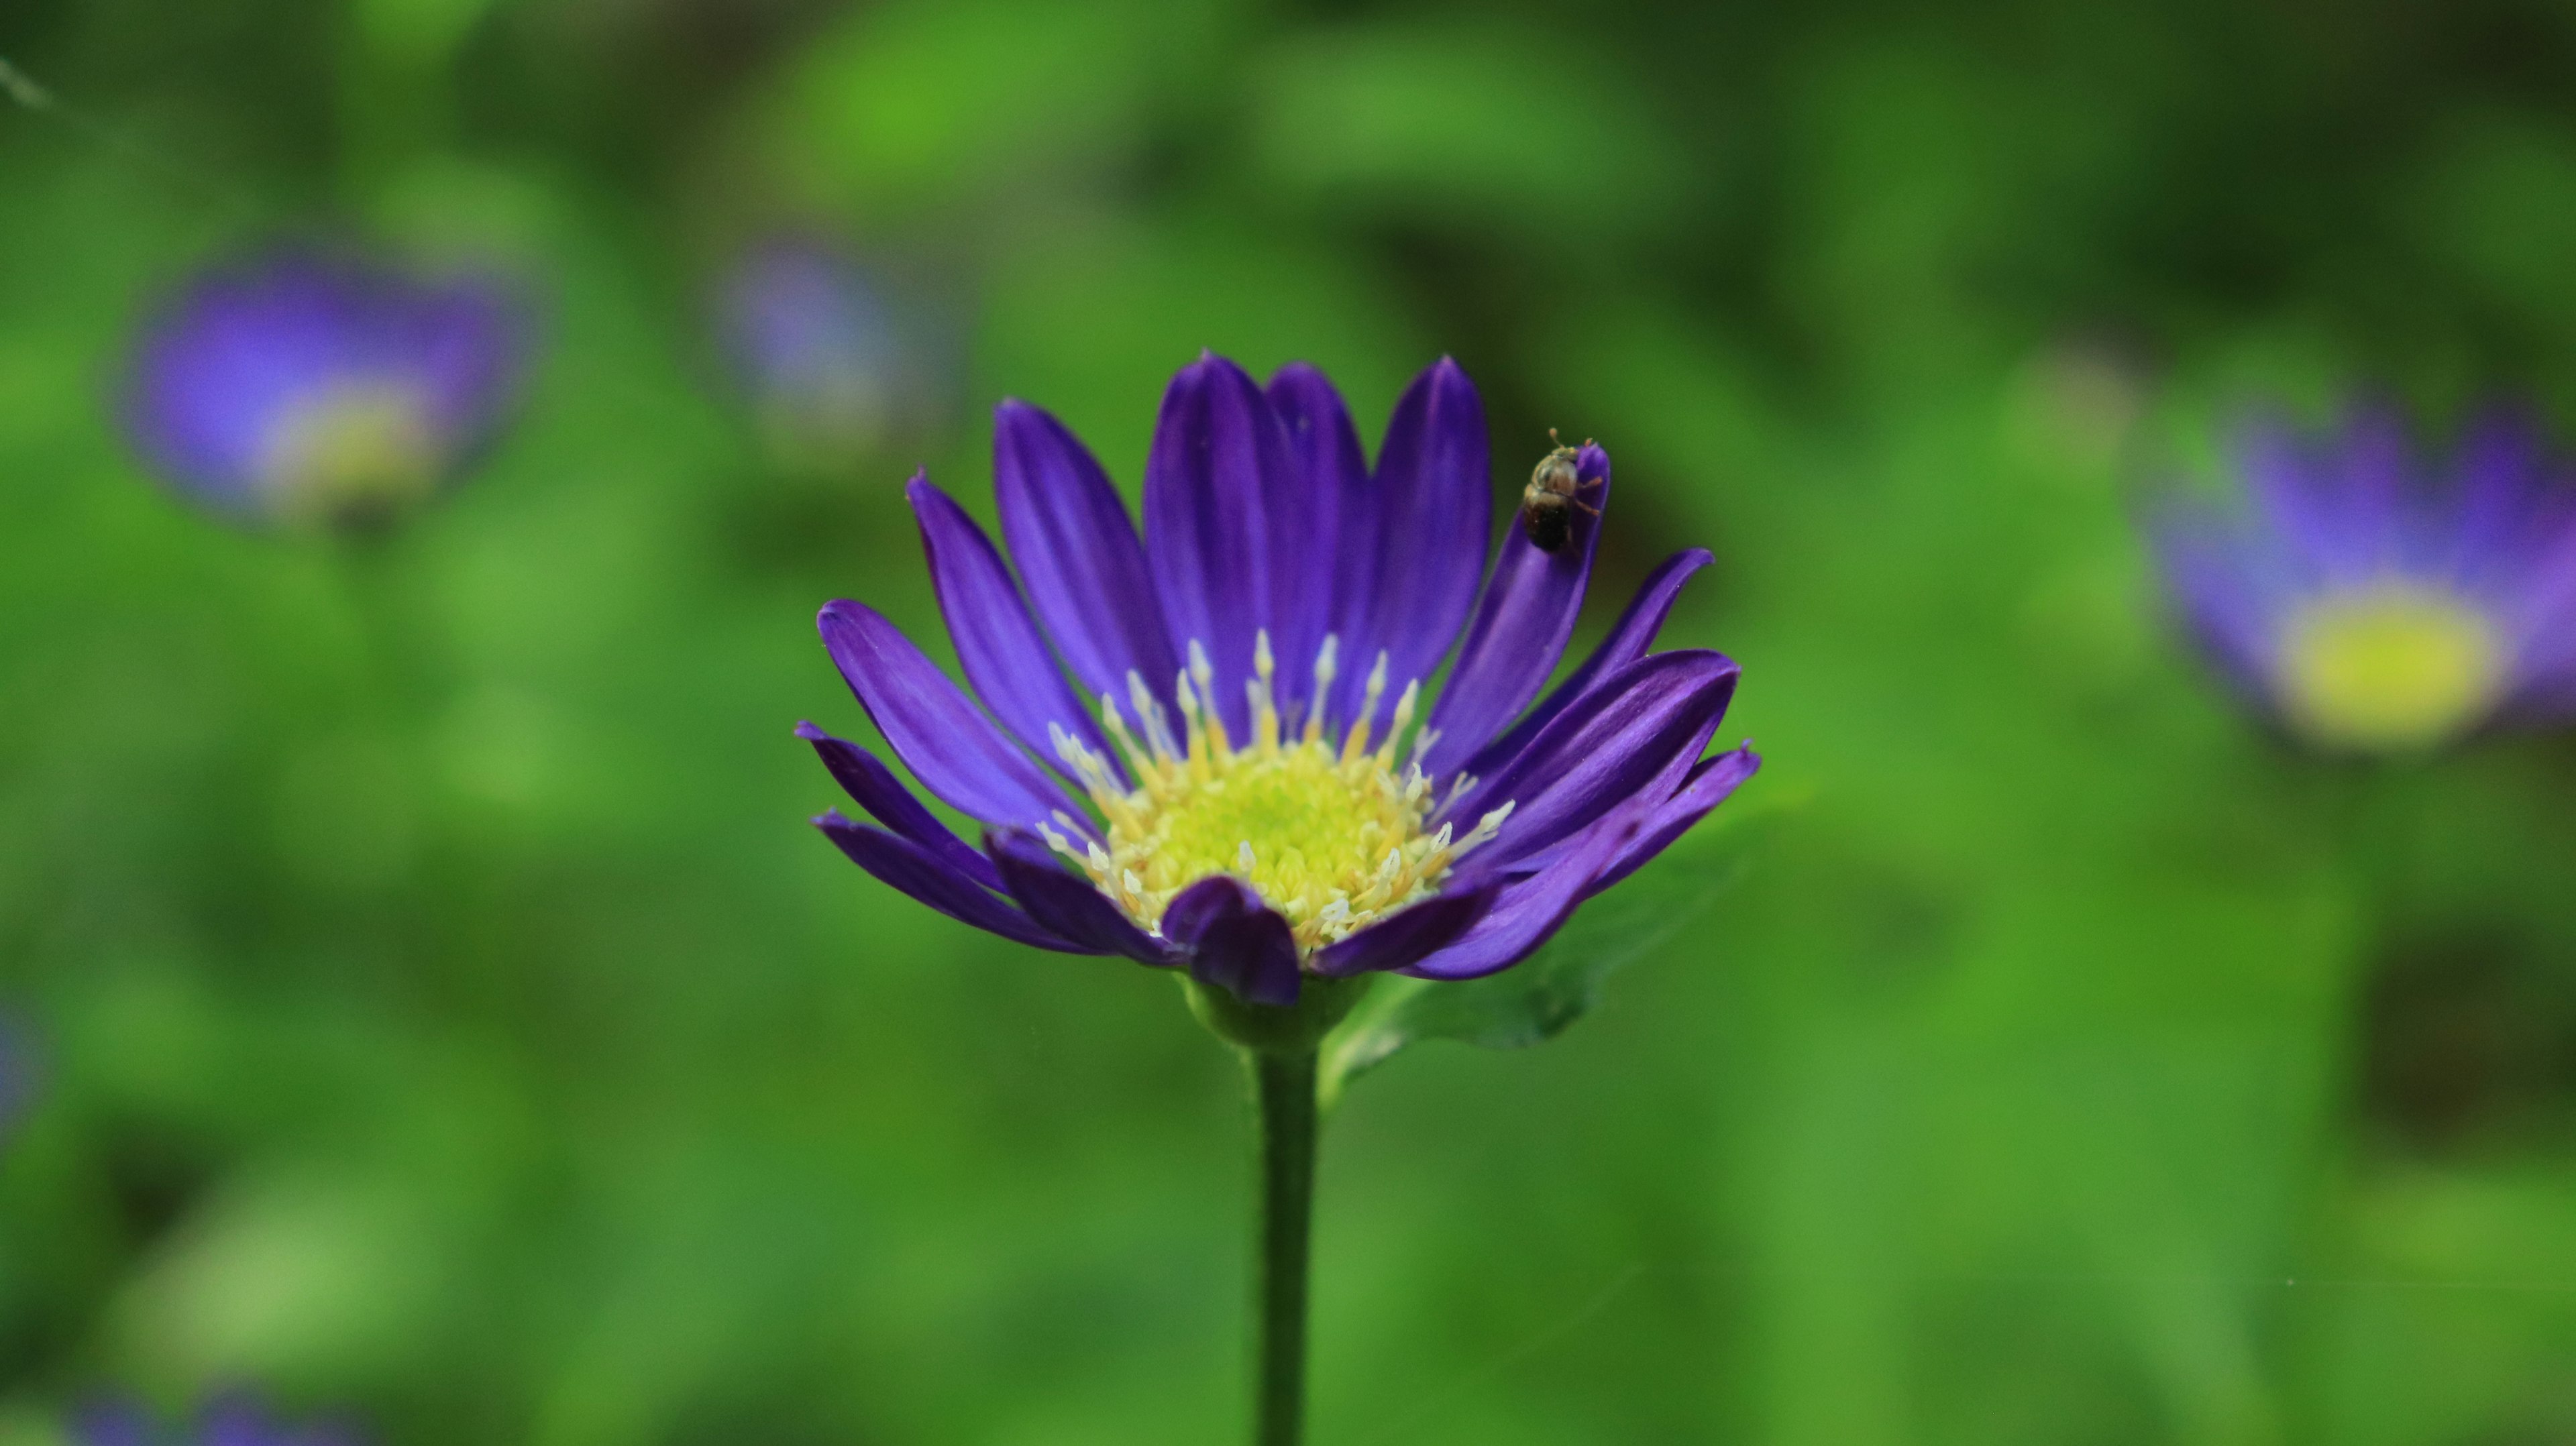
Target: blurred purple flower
<point>814,343</point>
<point>1235,809</point>
<point>17,1075</point>
<point>229,1419</point>
<point>2373,609</point>
<point>321,387</point>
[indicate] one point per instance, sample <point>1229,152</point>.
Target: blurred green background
<point>447,1016</point>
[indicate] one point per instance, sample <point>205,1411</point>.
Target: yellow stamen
<point>2396,667</point>
<point>1333,836</point>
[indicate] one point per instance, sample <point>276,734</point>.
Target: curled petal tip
<point>811,733</point>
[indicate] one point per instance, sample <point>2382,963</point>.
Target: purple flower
<point>314,387</point>
<point>2373,609</point>
<point>1212,749</point>
<point>228,1419</point>
<point>816,347</point>
<point>17,1075</point>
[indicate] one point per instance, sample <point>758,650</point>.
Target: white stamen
<point>1243,855</point>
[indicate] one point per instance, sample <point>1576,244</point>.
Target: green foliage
<point>1538,999</point>
<point>447,1015</point>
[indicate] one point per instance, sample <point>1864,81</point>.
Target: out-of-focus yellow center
<point>1332,836</point>
<point>357,454</point>
<point>2390,669</point>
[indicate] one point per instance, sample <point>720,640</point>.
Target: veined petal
<point>1004,655</point>
<point>1078,552</point>
<point>1710,781</point>
<point>933,726</point>
<point>1529,911</point>
<point>1235,941</point>
<point>1411,935</point>
<point>1067,905</point>
<point>1607,747</point>
<point>1336,521</point>
<point>1219,472</point>
<point>1521,626</point>
<point>874,787</point>
<point>1628,641</point>
<point>1435,494</point>
<point>907,866</point>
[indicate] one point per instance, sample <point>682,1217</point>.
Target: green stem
<point>1283,1087</point>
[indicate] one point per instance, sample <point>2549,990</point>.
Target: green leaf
<point>1533,1001</point>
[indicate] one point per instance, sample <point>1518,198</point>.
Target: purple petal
<point>1520,628</point>
<point>875,788</point>
<point>1650,718</point>
<point>1435,494</point>
<point>1078,552</point>
<point>234,1419</point>
<point>932,725</point>
<point>1709,783</point>
<point>1066,904</point>
<point>911,869</point>
<point>1628,641</point>
<point>2226,605</point>
<point>1004,655</point>
<point>1220,490</point>
<point>1335,568</point>
<point>1236,942</point>
<point>118,1422</point>
<point>1529,911</point>
<point>1410,935</point>
<point>2284,477</point>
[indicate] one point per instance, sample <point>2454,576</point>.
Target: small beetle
<point>1548,502</point>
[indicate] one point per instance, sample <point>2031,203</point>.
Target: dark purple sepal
<point>1067,904</point>
<point>1220,489</point>
<point>1235,941</point>
<point>1435,495</point>
<point>1333,569</point>
<point>873,786</point>
<point>1529,911</point>
<point>1628,641</point>
<point>1649,720</point>
<point>909,868</point>
<point>1078,552</point>
<point>998,644</point>
<point>1521,626</point>
<point>1709,783</point>
<point>932,725</point>
<point>1410,935</point>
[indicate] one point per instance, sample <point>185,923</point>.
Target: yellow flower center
<point>1333,836</point>
<point>2393,668</point>
<point>357,454</point>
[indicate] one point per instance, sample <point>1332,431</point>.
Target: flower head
<point>230,1419</point>
<point>817,348</point>
<point>307,387</point>
<point>1214,748</point>
<point>2371,609</point>
<point>17,1075</point>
